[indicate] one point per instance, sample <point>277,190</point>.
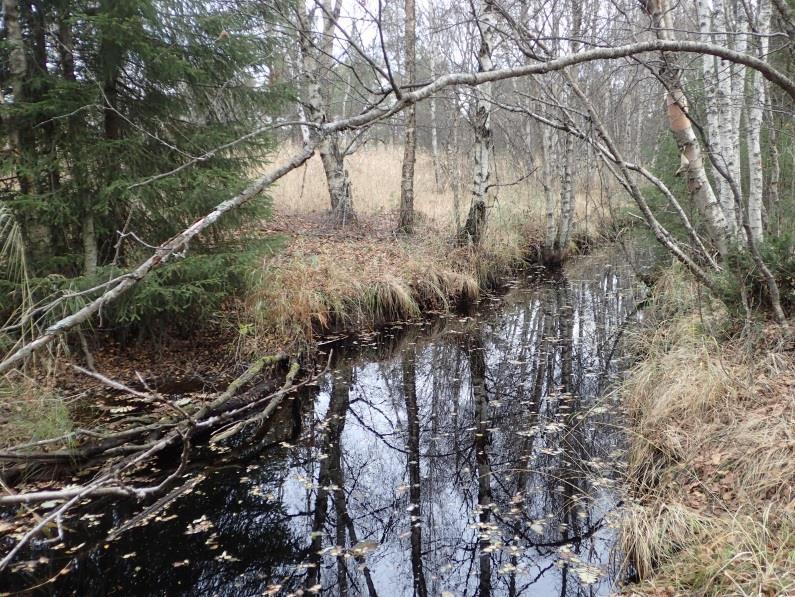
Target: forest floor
<point>711,481</point>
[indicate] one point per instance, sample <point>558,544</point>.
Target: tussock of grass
<point>711,479</point>
<point>30,413</point>
<point>318,285</point>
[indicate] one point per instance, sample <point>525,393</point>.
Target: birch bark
<point>692,164</point>
<point>723,148</point>
<point>566,200</point>
<point>550,226</point>
<point>435,136</point>
<point>757,98</point>
<point>406,218</point>
<point>476,219</point>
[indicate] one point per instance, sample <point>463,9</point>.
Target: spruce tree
<point>105,96</point>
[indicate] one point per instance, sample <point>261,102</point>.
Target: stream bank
<point>710,479</point>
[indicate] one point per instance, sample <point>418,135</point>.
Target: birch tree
<point>756,100</point>
<point>406,217</point>
<point>317,53</point>
<point>481,124</point>
<point>719,217</point>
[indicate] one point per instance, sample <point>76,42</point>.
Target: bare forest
<point>412,297</point>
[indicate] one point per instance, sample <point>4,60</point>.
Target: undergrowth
<point>29,413</point>
<point>710,476</point>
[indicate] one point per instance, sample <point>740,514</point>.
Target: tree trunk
<point>437,179</point>
<point>692,164</point>
<point>756,97</point>
<point>774,179</point>
<point>709,70</point>
<point>88,231</point>
<point>406,219</point>
<point>566,201</point>
<point>550,228</point>
<point>316,61</point>
<point>724,148</point>
<point>17,63</point>
<point>481,123</point>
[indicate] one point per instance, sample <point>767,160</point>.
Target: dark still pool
<point>469,455</point>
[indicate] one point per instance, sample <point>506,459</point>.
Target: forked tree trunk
<point>317,60</point>
<point>406,219</point>
<point>476,219</point>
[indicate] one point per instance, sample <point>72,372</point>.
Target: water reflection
<point>471,456</point>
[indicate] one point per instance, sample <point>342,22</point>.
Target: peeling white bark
<point>481,122</point>
<point>756,99</point>
<point>692,164</point>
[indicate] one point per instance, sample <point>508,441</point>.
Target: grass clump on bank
<point>30,412</point>
<point>330,280</point>
<point>711,509</point>
<point>318,285</point>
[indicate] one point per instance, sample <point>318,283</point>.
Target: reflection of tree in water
<point>409,370</point>
<point>467,458</point>
<point>495,450</point>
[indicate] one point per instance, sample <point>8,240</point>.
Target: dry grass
<point>30,412</point>
<point>321,283</point>
<point>375,176</point>
<point>366,275</point>
<point>712,505</point>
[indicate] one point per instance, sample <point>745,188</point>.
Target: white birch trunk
<point>692,163</point>
<point>435,136</point>
<point>775,178</point>
<point>757,98</point>
<point>297,70</point>
<point>723,148</point>
<point>738,102</point>
<point>476,219</point>
<point>550,227</point>
<point>709,70</point>
<point>89,246</point>
<point>566,200</point>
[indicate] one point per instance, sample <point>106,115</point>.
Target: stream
<point>470,454</point>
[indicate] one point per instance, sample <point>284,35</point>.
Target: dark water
<point>472,455</point>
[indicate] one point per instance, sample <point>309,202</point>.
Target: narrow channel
<point>469,455</point>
